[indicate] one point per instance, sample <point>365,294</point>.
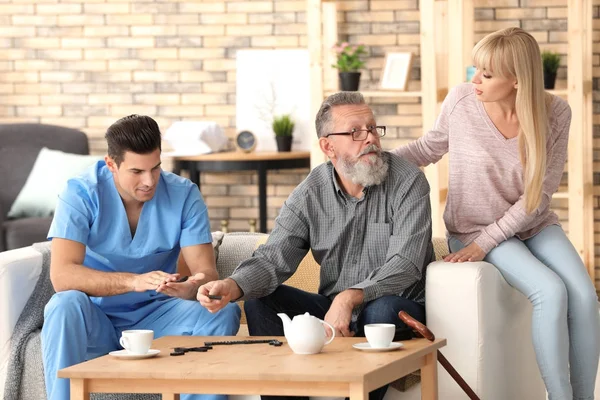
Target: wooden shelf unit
<point>559,92</point>
<point>561,195</point>
<point>580,192</point>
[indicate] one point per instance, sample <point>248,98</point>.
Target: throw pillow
<point>47,178</point>
<point>217,239</point>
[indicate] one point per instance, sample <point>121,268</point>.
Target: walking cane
<point>423,331</point>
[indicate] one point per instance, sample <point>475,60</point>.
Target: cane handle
<point>416,326</point>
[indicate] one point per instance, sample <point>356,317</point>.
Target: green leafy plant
<point>550,61</point>
<point>349,57</point>
<point>283,125</point>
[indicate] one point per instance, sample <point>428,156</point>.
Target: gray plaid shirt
<point>380,243</point>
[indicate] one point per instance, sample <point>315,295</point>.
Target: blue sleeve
<point>74,213</point>
<point>195,225</point>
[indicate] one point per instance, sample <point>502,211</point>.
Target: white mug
<point>380,335</point>
<point>137,341</point>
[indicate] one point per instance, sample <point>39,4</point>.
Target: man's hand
<point>227,289</point>
<point>340,312</point>
<point>470,253</point>
<point>151,280</point>
<point>184,290</point>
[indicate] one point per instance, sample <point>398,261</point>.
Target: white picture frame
<point>396,71</point>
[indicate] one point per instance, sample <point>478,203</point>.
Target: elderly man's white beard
<point>364,173</point>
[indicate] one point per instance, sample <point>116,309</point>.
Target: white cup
<point>137,341</point>
<point>380,335</point>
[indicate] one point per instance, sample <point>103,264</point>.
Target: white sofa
<point>486,322</point>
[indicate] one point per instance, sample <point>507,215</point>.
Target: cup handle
<point>332,331</point>
<point>124,342</point>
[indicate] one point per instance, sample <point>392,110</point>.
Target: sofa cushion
<point>217,239</point>
<point>307,276</point>
<point>25,231</point>
<point>235,248</point>
<point>440,248</point>
<point>51,170</point>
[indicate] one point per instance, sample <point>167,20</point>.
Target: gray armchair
<point>19,147</point>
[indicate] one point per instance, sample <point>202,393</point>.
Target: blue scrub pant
<point>75,330</point>
<point>565,327</point>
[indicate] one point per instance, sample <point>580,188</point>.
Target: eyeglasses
<point>361,134</point>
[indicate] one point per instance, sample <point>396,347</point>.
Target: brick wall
<point>85,64</point>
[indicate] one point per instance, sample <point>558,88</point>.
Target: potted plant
<point>550,63</point>
<point>283,126</point>
<point>349,63</point>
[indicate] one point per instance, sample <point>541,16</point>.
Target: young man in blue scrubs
<point>117,232</point>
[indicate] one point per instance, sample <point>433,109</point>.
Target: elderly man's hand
<point>227,289</point>
<point>340,314</point>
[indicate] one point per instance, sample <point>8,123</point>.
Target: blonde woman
<point>507,144</point>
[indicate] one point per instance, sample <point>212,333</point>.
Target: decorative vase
<point>284,143</point>
<point>549,79</point>
<point>349,81</point>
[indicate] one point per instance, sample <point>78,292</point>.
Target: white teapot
<point>305,333</point>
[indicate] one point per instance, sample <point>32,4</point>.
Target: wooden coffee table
<point>249,369</point>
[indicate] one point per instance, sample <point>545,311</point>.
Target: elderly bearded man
<point>366,217</point>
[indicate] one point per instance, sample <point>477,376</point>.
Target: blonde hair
<point>514,53</point>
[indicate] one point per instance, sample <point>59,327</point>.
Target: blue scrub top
<point>90,211</point>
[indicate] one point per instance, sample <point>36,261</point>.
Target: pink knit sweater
<point>485,200</point>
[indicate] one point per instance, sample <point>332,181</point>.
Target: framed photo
<point>396,71</point>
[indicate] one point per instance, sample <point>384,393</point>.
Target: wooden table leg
<point>79,390</point>
<point>358,391</point>
<point>177,168</point>
<point>429,378</point>
<point>194,173</point>
<point>262,198</point>
<point>170,396</point>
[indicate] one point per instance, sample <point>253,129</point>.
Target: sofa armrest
<point>488,327</point>
<point>19,272</point>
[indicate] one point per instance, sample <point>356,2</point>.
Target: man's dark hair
<point>139,134</point>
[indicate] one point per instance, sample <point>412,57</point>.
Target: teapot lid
<point>306,318</point>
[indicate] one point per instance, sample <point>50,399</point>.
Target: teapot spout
<point>286,321</point>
